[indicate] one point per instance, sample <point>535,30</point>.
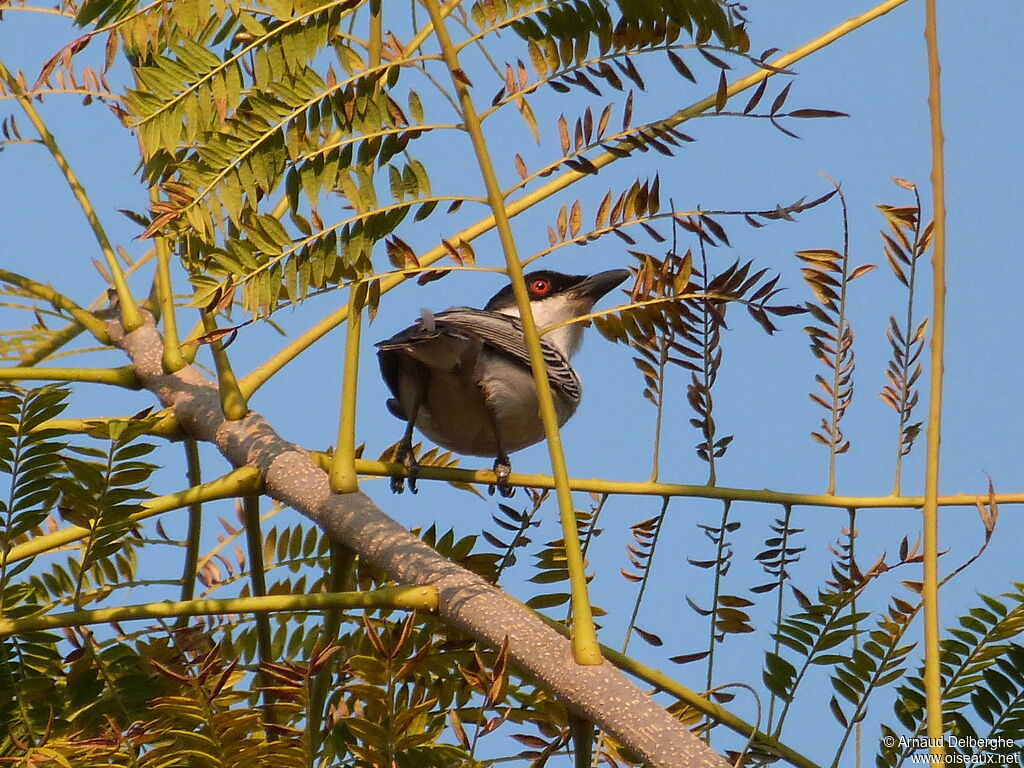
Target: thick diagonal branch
<point>467,603</point>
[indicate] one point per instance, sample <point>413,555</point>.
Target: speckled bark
<point>467,602</point>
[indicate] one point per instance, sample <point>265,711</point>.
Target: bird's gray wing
<point>437,347</point>
<point>505,334</point>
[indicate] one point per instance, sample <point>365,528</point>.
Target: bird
<point>463,376</point>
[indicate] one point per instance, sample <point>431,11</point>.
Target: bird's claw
<point>502,469</point>
<point>405,456</point>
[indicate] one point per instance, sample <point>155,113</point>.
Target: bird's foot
<point>502,469</point>
<point>404,455</point>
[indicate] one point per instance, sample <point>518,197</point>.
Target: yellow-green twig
<point>130,316</point>
<point>119,377</point>
<point>94,318</point>
<point>258,583</point>
<point>52,343</point>
<point>190,350</point>
<point>193,474</point>
<point>342,475</point>
<point>930,588</point>
<point>232,400</point>
<point>647,488</point>
<point>584,637</point>
<point>164,425</point>
<point>88,320</point>
<point>400,598</point>
<point>343,561</point>
<point>238,482</point>
<point>172,358</point>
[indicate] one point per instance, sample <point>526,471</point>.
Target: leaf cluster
<point>779,553</point>
<point>905,242</point>
<point>982,682</point>
<point>828,274</point>
<point>31,459</point>
<point>727,612</point>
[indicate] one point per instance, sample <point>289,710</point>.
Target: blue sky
<point>877,75</point>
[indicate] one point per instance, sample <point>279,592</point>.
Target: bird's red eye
<point>540,286</point>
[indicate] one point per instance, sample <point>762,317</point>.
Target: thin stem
<point>342,475</point>
<point>190,347</point>
<point>238,482</point>
<point>647,488</point>
<point>164,424</point>
<point>343,561</point>
<point>130,316</point>
<point>376,44</point>
<point>708,331</point>
<point>584,636</point>
<point>395,598</point>
<point>193,474</point>
<point>88,320</point>
<point>232,399</point>
<point>855,626</point>
<point>720,569</point>
<point>95,515</point>
<point>779,596</point>
<point>908,346</point>
<point>258,584</point>
<point>647,572</point>
<point>118,377</point>
<point>52,344</point>
<point>842,345</point>
<point>930,593</point>
<point>173,360</point>
<point>663,354</point>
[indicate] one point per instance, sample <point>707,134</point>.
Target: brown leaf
<point>218,334</point>
<point>649,637</point>
<point>863,269</point>
<point>431,276</point>
<point>400,254</point>
<point>457,729</point>
<point>499,684</point>
<point>722,95</point>
<point>575,219</point>
<point>687,658</point>
<point>529,740</point>
<point>781,98</point>
<point>816,113</point>
<point>602,122</point>
<point>520,166</point>
<point>756,97</point>
<point>222,297</point>
<point>601,218</point>
<point>563,222</point>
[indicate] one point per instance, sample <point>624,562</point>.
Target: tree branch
<point>467,603</point>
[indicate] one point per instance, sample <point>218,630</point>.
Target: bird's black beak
<point>596,286</point>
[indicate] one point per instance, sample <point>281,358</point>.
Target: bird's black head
<point>545,283</point>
